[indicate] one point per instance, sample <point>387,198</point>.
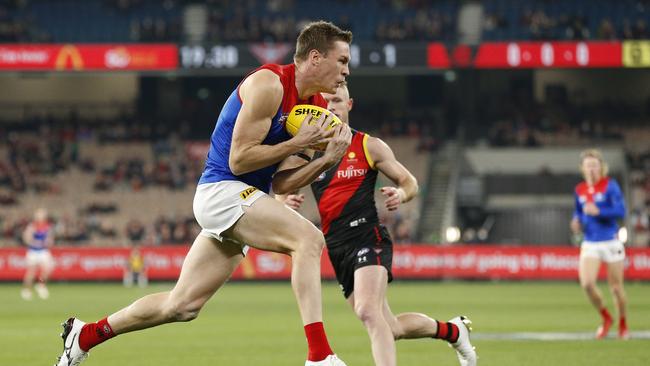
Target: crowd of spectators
<point>518,120</point>
<point>238,21</point>
<point>89,228</point>
<point>36,151</point>
<point>539,23</point>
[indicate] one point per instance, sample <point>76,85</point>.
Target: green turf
<point>258,324</point>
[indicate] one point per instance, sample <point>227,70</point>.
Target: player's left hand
<point>393,197</point>
<point>294,201</point>
<point>591,209</point>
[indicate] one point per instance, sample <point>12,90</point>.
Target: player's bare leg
<point>45,271</point>
<point>28,282</point>
<point>368,304</point>
<point>408,325</point>
<point>270,225</point>
<point>207,266</point>
<point>588,274</point>
<point>615,280</point>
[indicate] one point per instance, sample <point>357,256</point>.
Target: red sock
<point>447,331</point>
<point>622,324</point>
<point>93,334</point>
<point>319,348</point>
<point>605,314</point>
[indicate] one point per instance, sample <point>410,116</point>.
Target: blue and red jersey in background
<point>607,196</point>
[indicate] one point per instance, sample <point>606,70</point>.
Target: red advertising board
<point>88,57</point>
<point>549,54</point>
<point>437,56</point>
<point>409,262</point>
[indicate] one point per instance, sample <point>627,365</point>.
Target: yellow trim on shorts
<point>366,152</point>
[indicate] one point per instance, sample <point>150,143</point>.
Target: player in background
<point>360,248</point>
<point>135,270</point>
<point>232,204</point>
<point>599,204</point>
<point>38,236</point>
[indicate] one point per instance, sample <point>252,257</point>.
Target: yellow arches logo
<point>69,52</point>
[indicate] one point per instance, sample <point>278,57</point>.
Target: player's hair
<point>594,153</point>
<point>319,36</point>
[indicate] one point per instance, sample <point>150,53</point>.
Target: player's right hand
<point>338,144</point>
<point>576,228</point>
<point>294,201</point>
<point>310,134</point>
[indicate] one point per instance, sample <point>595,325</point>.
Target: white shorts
<point>39,258</point>
<point>218,206</point>
<point>608,251</point>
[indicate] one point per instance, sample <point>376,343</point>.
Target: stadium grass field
<point>257,324</point>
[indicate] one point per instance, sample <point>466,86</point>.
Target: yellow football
<point>300,111</point>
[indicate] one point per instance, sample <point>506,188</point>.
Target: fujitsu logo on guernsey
<point>351,172</point>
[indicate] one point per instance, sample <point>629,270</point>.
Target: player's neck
<point>593,181</point>
<point>305,83</point>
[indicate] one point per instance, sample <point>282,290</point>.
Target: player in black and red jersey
<point>360,248</point>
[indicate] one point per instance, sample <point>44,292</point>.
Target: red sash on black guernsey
<point>345,194</point>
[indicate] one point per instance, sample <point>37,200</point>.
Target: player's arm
<point>49,241</point>
<point>294,199</point>
<point>294,174</point>
<point>261,94</point>
<point>385,162</point>
<point>576,227</point>
<point>614,206</point>
<point>28,234</point>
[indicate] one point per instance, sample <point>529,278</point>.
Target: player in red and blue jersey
<point>599,204</point>
<point>232,204</point>
<point>360,248</point>
<point>38,236</point>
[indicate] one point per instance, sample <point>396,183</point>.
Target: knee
<point>369,315</point>
<point>398,332</point>
<point>310,242</point>
<point>588,286</point>
<point>182,311</point>
<point>617,290</point>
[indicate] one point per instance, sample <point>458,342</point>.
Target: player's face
<point>339,103</point>
<point>334,66</point>
<point>592,168</point>
<point>40,215</point>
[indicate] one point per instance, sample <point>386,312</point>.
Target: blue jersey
<point>607,196</point>
<point>217,167</point>
<point>40,236</point>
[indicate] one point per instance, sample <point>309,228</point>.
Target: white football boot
<point>72,355</point>
<point>42,291</point>
<point>464,349</point>
<point>331,360</point>
<point>26,294</point>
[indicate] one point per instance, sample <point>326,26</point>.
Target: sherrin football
<point>300,111</point>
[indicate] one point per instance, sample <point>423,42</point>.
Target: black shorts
<point>373,248</point>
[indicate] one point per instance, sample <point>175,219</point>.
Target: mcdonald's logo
<point>69,52</point>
